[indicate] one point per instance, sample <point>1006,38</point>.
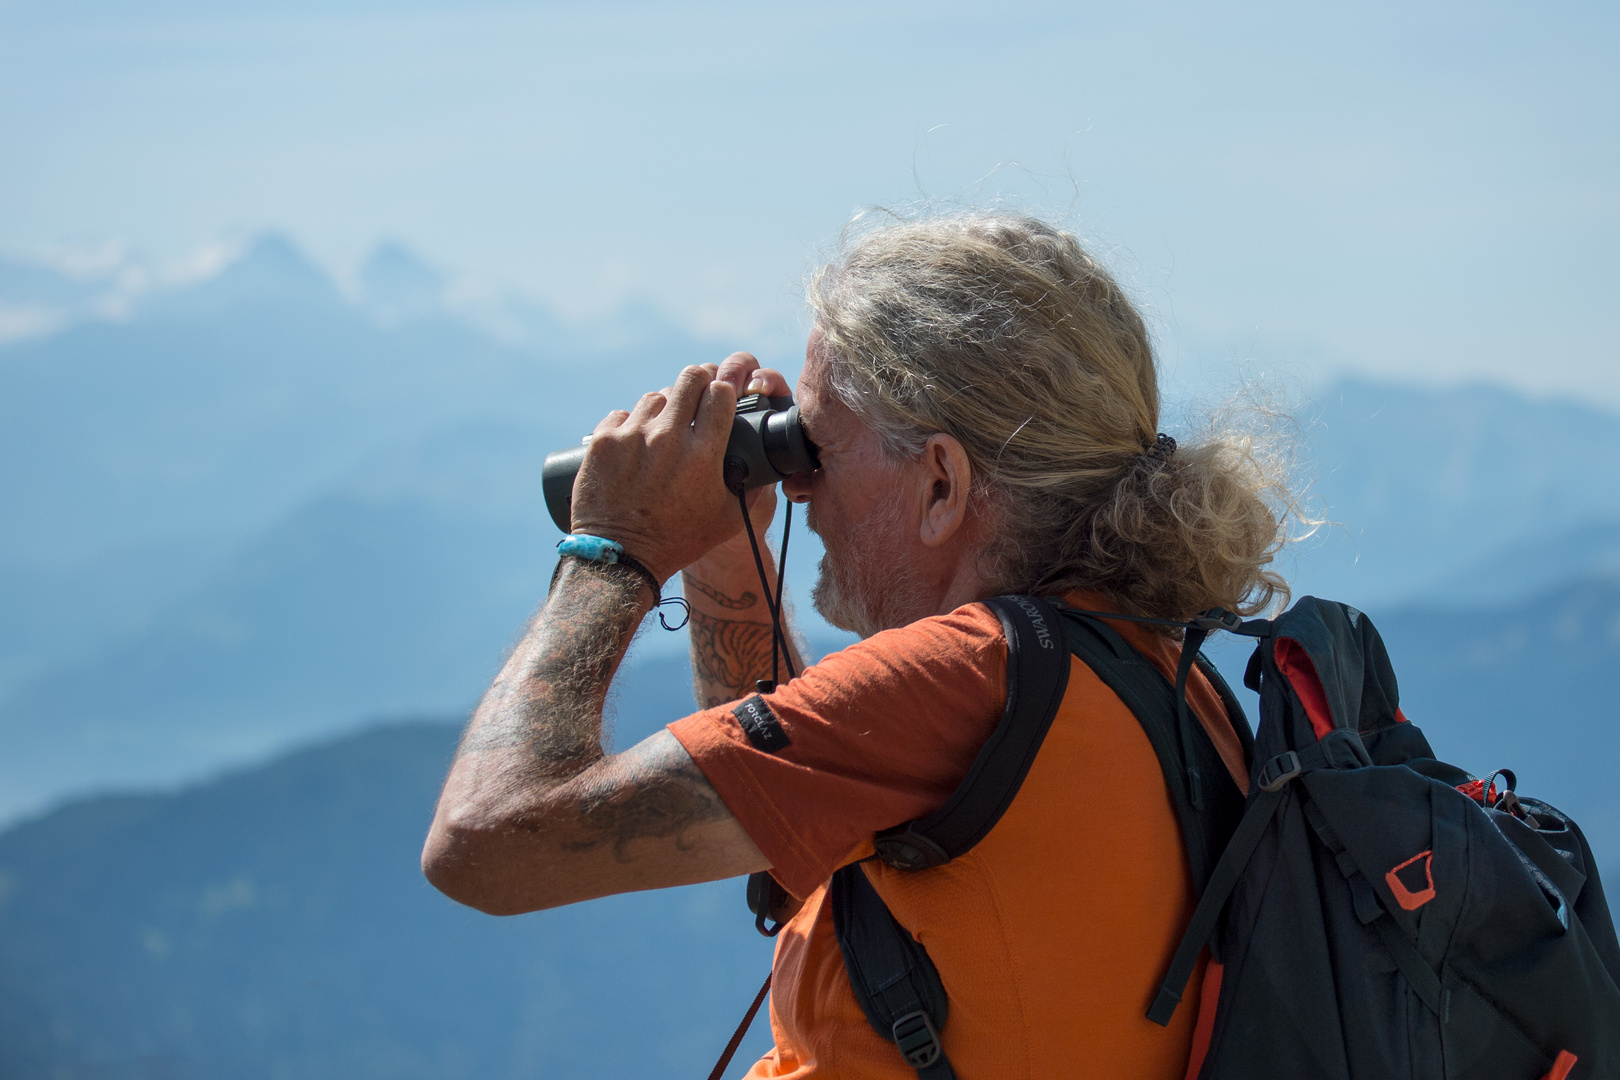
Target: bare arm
<point>731,622</point>
<point>534,813</point>
<point>730,627</point>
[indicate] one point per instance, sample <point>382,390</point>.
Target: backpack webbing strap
<point>1419,973</point>
<point>894,980</point>
<point>1037,676</point>
<point>1338,750</point>
<point>1208,913</point>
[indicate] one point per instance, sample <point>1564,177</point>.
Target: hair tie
<point>1162,447</point>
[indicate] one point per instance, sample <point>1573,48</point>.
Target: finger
<point>767,381</point>
<point>685,396</point>
<point>714,414</point>
<point>736,369</point>
<point>611,421</point>
<point>650,405</point>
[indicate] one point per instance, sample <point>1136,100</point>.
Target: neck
<point>956,581</point>
<point>964,588</point>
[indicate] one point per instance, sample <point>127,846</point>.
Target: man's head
<point>900,534</point>
<point>999,393</point>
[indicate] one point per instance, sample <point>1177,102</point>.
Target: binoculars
<point>767,445</point>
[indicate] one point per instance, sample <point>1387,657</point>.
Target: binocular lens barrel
<point>767,445</point>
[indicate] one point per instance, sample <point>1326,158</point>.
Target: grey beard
<point>832,597</point>
<point>866,595</point>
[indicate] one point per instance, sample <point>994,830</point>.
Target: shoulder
<point>963,651</point>
<point>874,734</point>
<point>971,631</point>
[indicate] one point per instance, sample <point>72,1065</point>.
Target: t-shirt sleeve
<point>872,736</point>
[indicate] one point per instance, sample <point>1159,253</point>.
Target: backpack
<point>1371,912</point>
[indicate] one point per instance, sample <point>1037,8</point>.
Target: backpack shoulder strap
<point>895,982</point>
<point>1152,699</point>
<point>1234,709</point>
<point>1037,676</point>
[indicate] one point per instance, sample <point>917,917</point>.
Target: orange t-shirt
<point>1050,936</point>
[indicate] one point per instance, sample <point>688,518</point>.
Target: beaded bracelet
<point>599,549</point>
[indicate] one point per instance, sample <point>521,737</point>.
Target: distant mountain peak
<point>273,261</point>
<point>397,283</point>
<point>1361,397</point>
<point>271,272</point>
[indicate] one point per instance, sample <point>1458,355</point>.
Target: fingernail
<point>756,386</point>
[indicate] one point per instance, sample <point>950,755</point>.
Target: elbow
<point>478,868</point>
<point>448,868</point>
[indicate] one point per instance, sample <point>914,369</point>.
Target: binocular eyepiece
<point>767,445</point>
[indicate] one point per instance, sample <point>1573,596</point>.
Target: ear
<point>945,479</point>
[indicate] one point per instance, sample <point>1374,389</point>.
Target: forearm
<point>534,812</point>
<point>540,723</point>
<point>731,626</point>
<point>543,712</point>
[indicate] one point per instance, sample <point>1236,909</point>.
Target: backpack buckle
<point>1217,619</point>
<point>1233,623</point>
<point>917,1039</point>
<point>905,849</point>
<point>1279,770</point>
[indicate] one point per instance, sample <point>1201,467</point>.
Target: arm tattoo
<point>664,802</point>
<point>727,657</point>
<point>734,603</point>
<point>547,701</point>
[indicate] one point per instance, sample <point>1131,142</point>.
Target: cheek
<point>841,513</point>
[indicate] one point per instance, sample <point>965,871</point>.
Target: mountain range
<point>257,509</point>
<point>257,527</point>
<point>273,923</point>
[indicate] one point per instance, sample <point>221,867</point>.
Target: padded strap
<point>1234,709</point>
<point>1208,913</point>
<point>1152,699</point>
<point>1037,676</point>
<point>892,977</point>
<point>1184,721</point>
<point>894,980</point>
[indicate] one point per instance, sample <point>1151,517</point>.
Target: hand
<point>651,478</point>
<point>744,373</point>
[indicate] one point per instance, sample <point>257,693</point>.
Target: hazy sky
<point>1416,191</point>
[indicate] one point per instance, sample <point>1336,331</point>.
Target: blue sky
<point>1416,191</point>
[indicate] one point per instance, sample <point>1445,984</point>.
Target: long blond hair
<point>1003,332</point>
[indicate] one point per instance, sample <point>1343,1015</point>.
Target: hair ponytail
<point>1003,332</point>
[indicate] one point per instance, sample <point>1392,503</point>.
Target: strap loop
<point>599,549</point>
<point>919,1043</point>
<point>1279,770</point>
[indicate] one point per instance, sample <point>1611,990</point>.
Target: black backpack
<point>1371,912</point>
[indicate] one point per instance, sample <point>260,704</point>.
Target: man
<point>984,404</point>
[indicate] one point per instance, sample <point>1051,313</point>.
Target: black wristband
<point>618,557</point>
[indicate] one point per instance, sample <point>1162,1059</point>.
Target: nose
<point>797,487</point>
